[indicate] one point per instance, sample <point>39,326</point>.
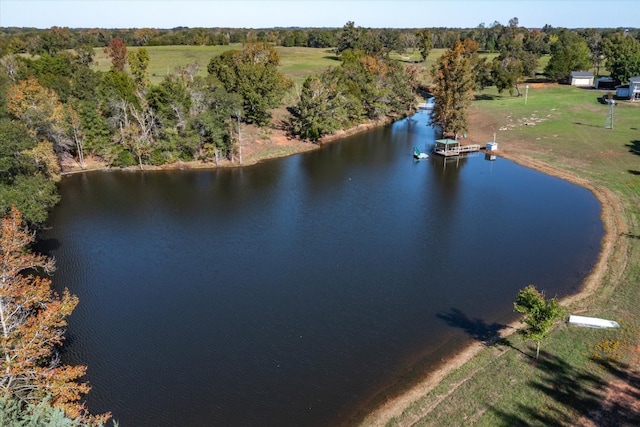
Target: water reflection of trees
<point>446,173</point>
<point>332,165</point>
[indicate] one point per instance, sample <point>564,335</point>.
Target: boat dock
<point>452,147</point>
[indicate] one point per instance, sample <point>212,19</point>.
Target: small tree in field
<point>540,314</point>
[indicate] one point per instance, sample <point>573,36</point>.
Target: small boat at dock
<point>418,155</point>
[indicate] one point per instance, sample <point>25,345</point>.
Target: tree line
<point>488,36</point>
<point>35,387</point>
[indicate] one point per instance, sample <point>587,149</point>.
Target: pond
<point>299,290</point>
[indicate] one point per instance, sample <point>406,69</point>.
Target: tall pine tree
<point>453,83</point>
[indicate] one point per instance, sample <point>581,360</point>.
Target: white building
<point>630,91</point>
<point>581,78</point>
<point>634,88</point>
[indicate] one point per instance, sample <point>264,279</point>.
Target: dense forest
<point>54,106</point>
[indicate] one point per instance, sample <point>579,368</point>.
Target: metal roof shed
<point>581,78</point>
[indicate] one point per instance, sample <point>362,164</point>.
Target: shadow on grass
<point>478,329</point>
<point>621,408</point>
<point>632,172</point>
<point>574,394</point>
<point>585,124</point>
<point>486,97</point>
<point>526,416</point>
<point>634,147</point>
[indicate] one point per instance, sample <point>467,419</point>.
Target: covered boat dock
<point>451,147</point>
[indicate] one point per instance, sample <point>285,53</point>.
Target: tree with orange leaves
<point>32,322</point>
<point>117,51</point>
<point>43,114</point>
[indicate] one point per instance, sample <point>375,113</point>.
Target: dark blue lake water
<point>296,292</point>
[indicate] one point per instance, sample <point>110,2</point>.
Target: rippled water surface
<point>292,292</point>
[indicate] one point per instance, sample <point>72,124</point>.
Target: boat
<point>592,322</point>
<point>419,155</point>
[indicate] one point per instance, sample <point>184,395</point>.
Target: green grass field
<point>295,62</point>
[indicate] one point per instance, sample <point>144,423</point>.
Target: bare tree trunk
<point>78,141</point>
<point>239,142</point>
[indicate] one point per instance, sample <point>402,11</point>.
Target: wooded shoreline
<point>261,150</point>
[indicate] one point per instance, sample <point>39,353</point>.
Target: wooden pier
<point>452,147</point>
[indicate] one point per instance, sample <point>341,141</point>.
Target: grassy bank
<point>583,376</point>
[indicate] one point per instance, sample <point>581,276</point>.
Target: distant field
<point>296,62</point>
<point>413,58</point>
